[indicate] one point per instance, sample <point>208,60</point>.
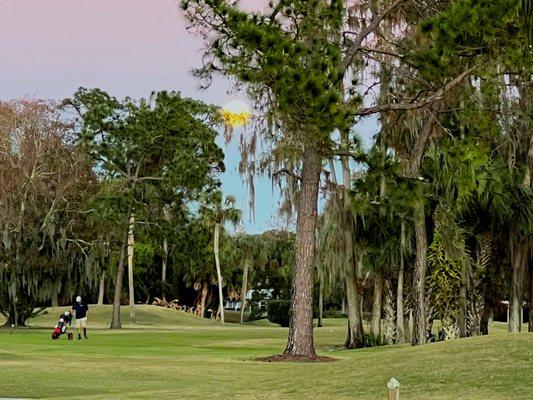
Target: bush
<point>370,340</point>
<point>257,304</point>
<point>333,314</point>
<point>278,312</point>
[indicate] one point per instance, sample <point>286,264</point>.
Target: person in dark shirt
<point>81,309</point>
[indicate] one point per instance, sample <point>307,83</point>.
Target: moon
<point>236,113</point>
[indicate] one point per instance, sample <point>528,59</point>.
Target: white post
<point>394,389</point>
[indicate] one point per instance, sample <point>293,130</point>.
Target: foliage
<point>276,273</point>
<point>476,29</point>
<point>258,304</point>
<point>446,263</point>
<point>47,245</point>
<point>278,312</point>
<point>166,141</point>
<point>370,340</point>
<point>283,57</point>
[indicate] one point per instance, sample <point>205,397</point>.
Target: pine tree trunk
<point>375,319</point>
<point>219,274</point>
<point>131,243</point>
<point>101,290</point>
<point>244,288</point>
<point>400,328</point>
<point>300,340</point>
<point>419,278</point>
<point>115,320</point>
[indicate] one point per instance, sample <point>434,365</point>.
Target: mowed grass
<point>173,355</point>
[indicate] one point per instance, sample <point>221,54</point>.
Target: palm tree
<point>216,212</point>
<point>249,251</point>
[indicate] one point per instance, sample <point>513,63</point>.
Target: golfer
<point>81,310</point>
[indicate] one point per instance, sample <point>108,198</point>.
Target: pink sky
<point>49,48</point>
<point>128,47</point>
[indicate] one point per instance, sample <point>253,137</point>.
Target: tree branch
<point>149,178</point>
<point>357,156</point>
<point>357,42</point>
<point>286,171</point>
<point>413,105</point>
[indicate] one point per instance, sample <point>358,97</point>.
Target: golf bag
<point>61,326</point>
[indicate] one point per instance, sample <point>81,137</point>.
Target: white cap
<point>78,299</point>
<point>67,312</point>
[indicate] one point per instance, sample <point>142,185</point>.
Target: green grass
<point>172,355</point>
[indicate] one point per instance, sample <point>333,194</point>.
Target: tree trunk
<point>244,288</point>
<point>389,312</point>
<point>203,297</point>
<point>361,279</point>
<point>484,322</point>
<point>377,302</point>
<point>320,303</point>
<point>400,328</point>
<point>101,290</point>
<point>300,340</point>
<point>343,305</point>
<point>164,267</point>
<point>375,319</point>
<point>55,301</point>
<point>530,321</point>
<point>419,278</point>
<point>219,274</point>
<point>131,243</point>
<point>166,217</point>
<point>115,320</point>
<point>463,303</point>
<point>354,337</point>
<point>518,248</point>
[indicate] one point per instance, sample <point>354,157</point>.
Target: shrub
<point>257,304</point>
<point>278,312</point>
<point>333,314</point>
<point>370,340</point>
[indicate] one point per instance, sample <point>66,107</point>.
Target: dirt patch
<point>294,358</point>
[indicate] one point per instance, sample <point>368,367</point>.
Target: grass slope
<point>170,355</point>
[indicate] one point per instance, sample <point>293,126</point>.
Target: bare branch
<point>379,51</point>
<point>357,42</point>
<point>286,171</point>
<point>416,104</point>
<point>149,178</point>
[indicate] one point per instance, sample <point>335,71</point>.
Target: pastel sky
<point>49,48</point>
